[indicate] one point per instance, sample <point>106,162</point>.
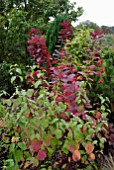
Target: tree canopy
<point>18,16</point>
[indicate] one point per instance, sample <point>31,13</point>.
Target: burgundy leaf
<point>41,155</point>
<point>36,145</point>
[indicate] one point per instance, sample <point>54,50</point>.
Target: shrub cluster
<point>55,117</point>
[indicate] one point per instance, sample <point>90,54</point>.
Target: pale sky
<point>99,11</point>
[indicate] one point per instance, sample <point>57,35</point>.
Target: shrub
<point>55,117</point>
<point>33,130</point>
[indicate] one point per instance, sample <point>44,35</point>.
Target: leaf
<point>73,147</point>
<point>89,147</point>
<point>13,79</point>
<point>15,139</point>
<point>76,155</point>
<point>98,115</point>
<point>58,133</point>
<point>22,145</point>
<point>37,83</point>
<point>10,163</point>
<point>89,167</point>
<point>92,156</point>
<point>47,141</point>
<point>27,164</point>
<point>33,161</point>
<point>18,70</point>
<point>36,145</point>
<point>12,147</point>
<point>30,92</point>
<point>41,155</point>
<point>18,155</point>
<point>8,102</point>
<point>78,134</point>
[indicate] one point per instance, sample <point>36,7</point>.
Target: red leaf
<point>73,147</point>
<point>35,73</point>
<point>42,40</point>
<point>89,147</point>
<point>98,115</point>
<point>30,115</point>
<point>30,47</point>
<point>36,145</point>
<point>100,80</point>
<point>76,155</point>
<point>34,30</point>
<point>41,155</point>
<point>34,40</point>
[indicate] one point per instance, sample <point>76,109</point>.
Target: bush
<point>54,123</point>
<point>33,130</point>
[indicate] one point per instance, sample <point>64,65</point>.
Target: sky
<point>99,11</point>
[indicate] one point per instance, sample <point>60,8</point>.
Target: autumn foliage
<point>55,114</point>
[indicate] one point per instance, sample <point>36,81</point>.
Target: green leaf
<point>34,161</point>
<point>82,152</point>
<point>18,155</point>
<point>78,135</point>
<point>49,168</point>
<point>89,167</point>
<point>102,139</point>
<point>84,158</point>
<point>54,120</point>
<point>30,92</point>
<point>8,102</point>
<point>21,78</point>
<point>23,119</point>
<point>91,131</point>
<point>37,83</point>
<point>22,145</point>
<point>13,79</point>
<point>10,163</point>
<point>95,142</point>
<point>50,151</point>
<point>58,133</point>
<point>44,123</point>
<point>54,141</point>
<point>12,147</point>
<point>103,108</point>
<point>27,154</point>
<point>18,70</point>
<point>64,166</point>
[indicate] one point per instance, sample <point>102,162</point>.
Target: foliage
<point>55,38</point>
<point>11,76</point>
<point>55,116</point>
<point>87,58</point>
<point>109,76</point>
<point>33,127</point>
<point>17,17</point>
<point>88,24</point>
<point>43,9</point>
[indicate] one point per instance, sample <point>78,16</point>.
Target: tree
<point>18,16</point>
<point>88,24</point>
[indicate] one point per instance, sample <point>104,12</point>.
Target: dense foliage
<point>18,17</point>
<point>54,122</point>
<point>56,95</point>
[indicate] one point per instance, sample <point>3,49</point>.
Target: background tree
<point>18,16</point>
<point>88,24</point>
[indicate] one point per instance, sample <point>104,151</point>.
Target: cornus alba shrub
<point>69,87</point>
<point>54,117</point>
